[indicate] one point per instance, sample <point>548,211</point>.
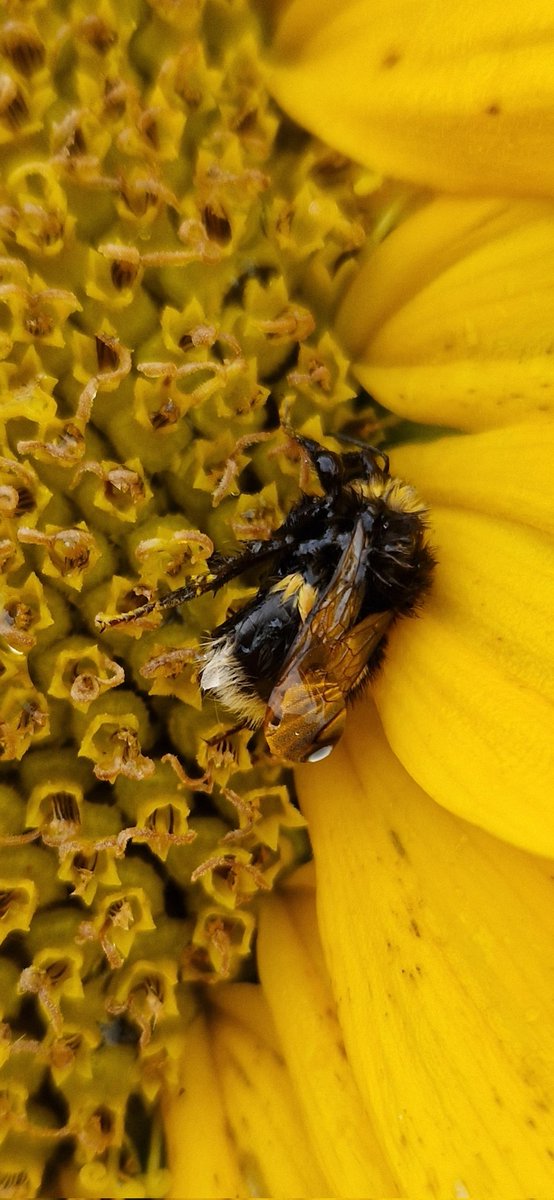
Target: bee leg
<point>220,571</point>
<point>227,733</point>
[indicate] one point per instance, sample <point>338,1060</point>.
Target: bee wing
<point>328,658</point>
<point>348,658</point>
<point>348,645</point>
<point>330,633</point>
<point>336,609</point>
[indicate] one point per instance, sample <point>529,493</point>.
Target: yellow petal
<point>465,694</point>
<point>262,1111</point>
<point>449,320</point>
<point>456,96</point>
<point>439,943</point>
<point>296,983</point>
<point>202,1156</point>
<point>504,473</point>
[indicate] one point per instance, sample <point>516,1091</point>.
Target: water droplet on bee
<point>319,755</point>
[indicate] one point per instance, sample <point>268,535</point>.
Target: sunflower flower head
<point>169,258</point>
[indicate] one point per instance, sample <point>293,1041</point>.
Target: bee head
<point>305,717</point>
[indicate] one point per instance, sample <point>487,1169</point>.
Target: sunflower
<point>402,1042</point>
<point>182,264</point>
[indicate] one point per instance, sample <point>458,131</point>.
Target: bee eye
<point>320,754</point>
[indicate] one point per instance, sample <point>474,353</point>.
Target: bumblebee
<point>336,575</point>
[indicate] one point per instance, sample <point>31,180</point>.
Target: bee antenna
<point>374,451</point>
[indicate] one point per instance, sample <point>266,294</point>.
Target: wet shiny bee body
<point>331,581</point>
